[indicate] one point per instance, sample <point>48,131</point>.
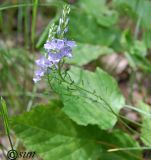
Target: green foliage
<point>14,66</point>
<point>103,15</point>
<point>138,61</point>
<point>82,120</point>
<point>94,98</point>
<point>146,124</point>
<point>82,30</point>
<point>49,132</point>
<point>136,8</point>
<point>135,51</point>
<point>147,39</point>
<point>4,113</point>
<point>82,52</point>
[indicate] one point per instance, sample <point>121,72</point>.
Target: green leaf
<point>146,124</point>
<point>4,113</point>
<point>49,132</point>
<point>108,18</point>
<point>83,27</point>
<point>138,61</point>
<point>85,53</point>
<point>84,23</point>
<point>139,48</point>
<point>99,10</point>
<point>136,52</point>
<point>4,107</point>
<point>93,98</point>
<point>91,44</point>
<point>92,6</point>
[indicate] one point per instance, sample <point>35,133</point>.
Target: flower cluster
<point>56,48</point>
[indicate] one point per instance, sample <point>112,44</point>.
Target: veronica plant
<point>74,82</point>
<point>83,123</point>
<point>57,47</point>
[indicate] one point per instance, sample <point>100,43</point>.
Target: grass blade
<point>33,27</point>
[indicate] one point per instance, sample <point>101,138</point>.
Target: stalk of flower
<point>56,46</point>
<point>52,32</point>
<point>63,22</point>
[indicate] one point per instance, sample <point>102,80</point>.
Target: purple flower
<point>43,62</point>
<point>43,65</point>
<point>61,48</point>
<point>55,44</point>
<point>56,50</point>
<point>54,58</point>
<point>48,46</point>
<point>66,52</point>
<point>71,43</point>
<point>39,73</point>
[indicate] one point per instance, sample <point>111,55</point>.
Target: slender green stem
<point>27,94</point>
<point>138,110</point>
<point>136,33</point>
<point>1,21</point>
<point>137,28</point>
<point>30,102</point>
<point>6,121</point>
<point>20,18</point>
<point>26,5</point>
<point>33,27</point>
<point>26,25</point>
<point>128,148</point>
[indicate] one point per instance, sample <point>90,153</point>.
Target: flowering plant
<point>83,121</point>
<point>57,47</point>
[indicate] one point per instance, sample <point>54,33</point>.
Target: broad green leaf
<point>84,29</point>
<point>146,124</point>
<point>85,53</point>
<point>92,6</point>
<point>93,98</point>
<point>49,132</point>
<point>99,10</point>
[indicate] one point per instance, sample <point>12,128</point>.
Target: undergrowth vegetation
<point>75,76</point>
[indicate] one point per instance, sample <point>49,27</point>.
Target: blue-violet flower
<point>56,48</point>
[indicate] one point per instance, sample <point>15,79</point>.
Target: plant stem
<point>33,27</point>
